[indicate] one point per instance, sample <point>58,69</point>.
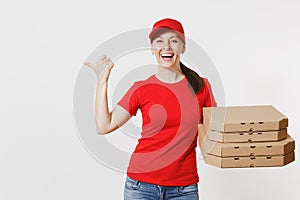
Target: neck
<point>170,74</point>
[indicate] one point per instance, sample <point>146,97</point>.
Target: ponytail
<point>195,81</point>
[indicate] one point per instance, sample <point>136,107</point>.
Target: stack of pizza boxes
<point>245,136</point>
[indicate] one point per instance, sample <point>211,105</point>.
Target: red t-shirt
<point>165,153</point>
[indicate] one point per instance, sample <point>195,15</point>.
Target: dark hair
<point>195,81</point>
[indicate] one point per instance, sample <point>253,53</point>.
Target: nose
<point>167,45</point>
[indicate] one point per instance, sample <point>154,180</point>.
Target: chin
<point>167,65</point>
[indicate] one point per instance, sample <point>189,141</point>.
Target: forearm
<point>102,114</point>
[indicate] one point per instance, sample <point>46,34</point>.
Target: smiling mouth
<point>167,56</point>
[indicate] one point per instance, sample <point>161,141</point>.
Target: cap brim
<point>162,30</point>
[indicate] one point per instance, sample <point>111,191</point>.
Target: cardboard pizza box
<point>247,136</point>
<point>250,161</point>
<point>207,146</point>
<point>244,118</point>
<point>250,149</point>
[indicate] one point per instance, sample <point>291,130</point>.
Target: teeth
<point>167,54</point>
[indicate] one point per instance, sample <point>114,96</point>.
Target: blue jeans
<point>138,190</point>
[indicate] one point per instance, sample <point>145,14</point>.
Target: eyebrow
<point>170,37</point>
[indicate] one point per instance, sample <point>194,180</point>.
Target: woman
<point>163,164</point>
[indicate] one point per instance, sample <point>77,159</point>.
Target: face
<point>167,48</point>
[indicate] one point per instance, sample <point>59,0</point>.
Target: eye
<point>174,41</point>
<point>158,41</point>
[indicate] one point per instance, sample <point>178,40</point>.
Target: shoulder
<point>205,80</point>
<point>138,85</point>
<point>206,88</point>
<point>205,83</point>
<point>144,82</point>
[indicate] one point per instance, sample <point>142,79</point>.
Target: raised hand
<point>102,68</point>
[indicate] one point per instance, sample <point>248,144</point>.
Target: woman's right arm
<point>106,121</point>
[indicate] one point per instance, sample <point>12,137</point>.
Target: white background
<point>255,46</point>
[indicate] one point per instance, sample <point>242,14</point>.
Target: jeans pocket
<point>132,184</point>
<point>190,189</point>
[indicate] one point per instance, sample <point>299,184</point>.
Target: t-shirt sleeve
<point>131,99</point>
<point>209,99</point>
<point>205,98</point>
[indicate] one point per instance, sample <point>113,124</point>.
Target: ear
<point>183,49</point>
<point>152,50</point>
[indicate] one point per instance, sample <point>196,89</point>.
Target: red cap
<point>168,23</point>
